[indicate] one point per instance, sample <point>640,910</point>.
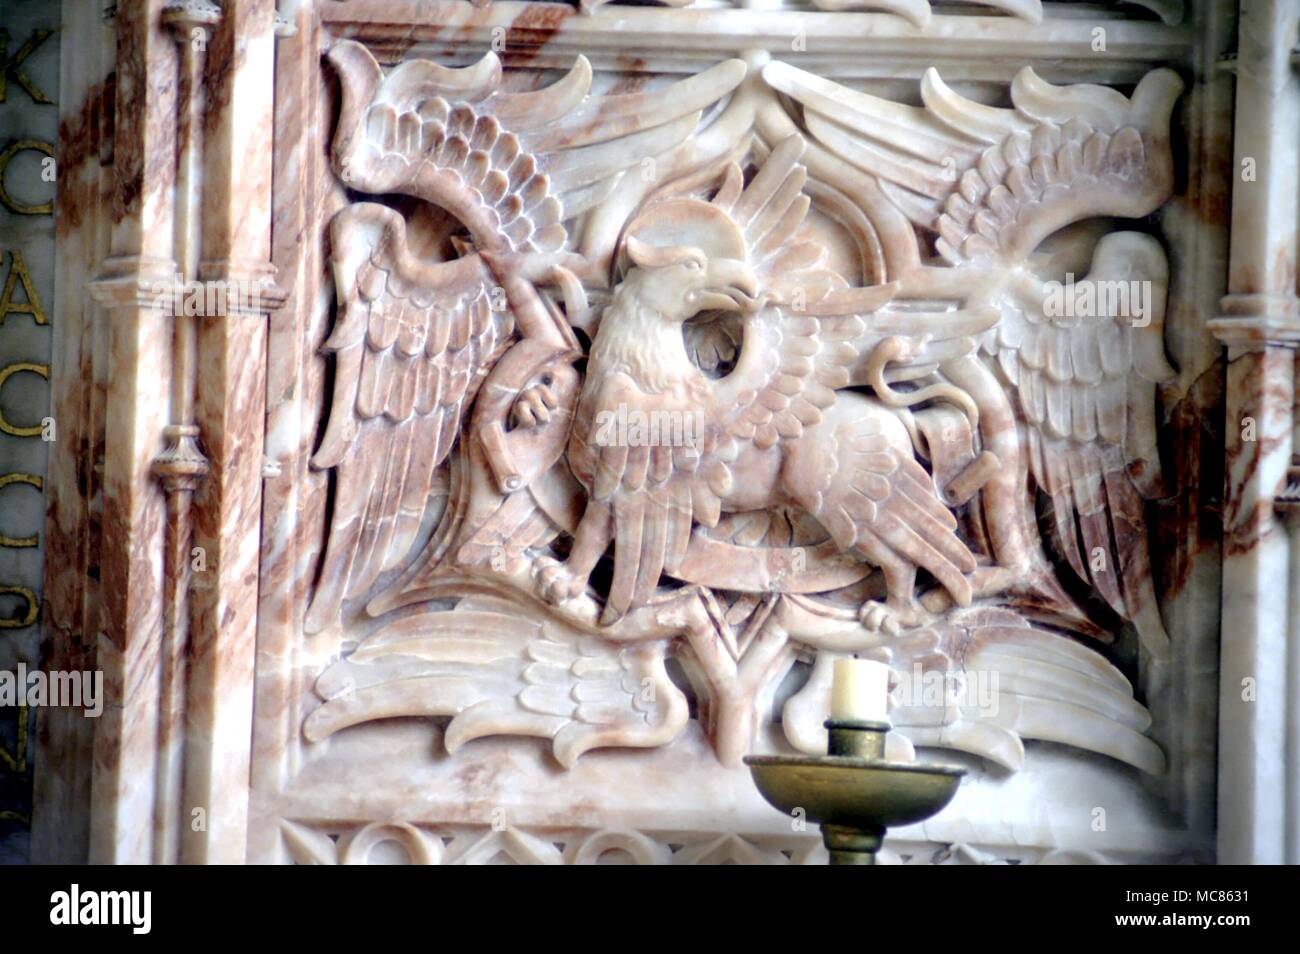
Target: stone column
<point>130,287</point>
<point>1261,327</point>
<point>230,410</point>
<point>179,416</point>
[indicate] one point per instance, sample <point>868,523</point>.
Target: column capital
<point>1258,321</point>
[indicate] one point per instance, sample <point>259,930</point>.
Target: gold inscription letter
<point>5,374</point>
<point>18,273</point>
<point>46,208</point>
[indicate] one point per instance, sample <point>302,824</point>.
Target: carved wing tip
<point>321,612</point>
<point>1029,10</point>
<point>789,150</point>
<point>783,77</point>
<point>933,86</point>
<point>1154,98</point>
<point>343,53</point>
<point>732,72</point>
<point>915,12</point>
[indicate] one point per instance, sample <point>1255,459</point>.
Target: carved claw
<point>534,406</point>
<point>938,601</point>
<point>890,616</point>
<point>556,583</point>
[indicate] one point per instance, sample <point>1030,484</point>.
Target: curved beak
<point>731,286</point>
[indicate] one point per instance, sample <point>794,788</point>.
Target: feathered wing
<point>985,681</point>
<point>789,367</point>
<point>991,183</point>
<point>798,351</point>
<point>513,167</point>
<point>512,676</point>
<point>413,341</point>
<point>655,488</point>
<point>790,362</point>
<point>1086,387</point>
<point>796,355</point>
<point>876,500</point>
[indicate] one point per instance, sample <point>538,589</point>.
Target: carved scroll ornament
<point>753,371</point>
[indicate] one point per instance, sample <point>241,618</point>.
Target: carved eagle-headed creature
<point>779,427</point>
<point>415,339</point>
<point>774,432</point>
<point>1067,395</point>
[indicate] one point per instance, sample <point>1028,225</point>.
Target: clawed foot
<point>890,617</point>
<point>556,583</point>
<point>534,406</point>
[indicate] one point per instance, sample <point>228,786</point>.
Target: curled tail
<point>894,348</point>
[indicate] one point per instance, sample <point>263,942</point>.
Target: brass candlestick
<point>853,791</point>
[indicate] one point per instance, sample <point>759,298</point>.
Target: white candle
<point>860,691</point>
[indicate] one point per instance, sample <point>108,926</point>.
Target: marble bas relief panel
<point>610,408</point>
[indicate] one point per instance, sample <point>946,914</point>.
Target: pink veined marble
<point>613,371</point>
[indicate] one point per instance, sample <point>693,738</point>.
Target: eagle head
<point>685,256</point>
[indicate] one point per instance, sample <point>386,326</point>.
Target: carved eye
<point>693,264</point>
